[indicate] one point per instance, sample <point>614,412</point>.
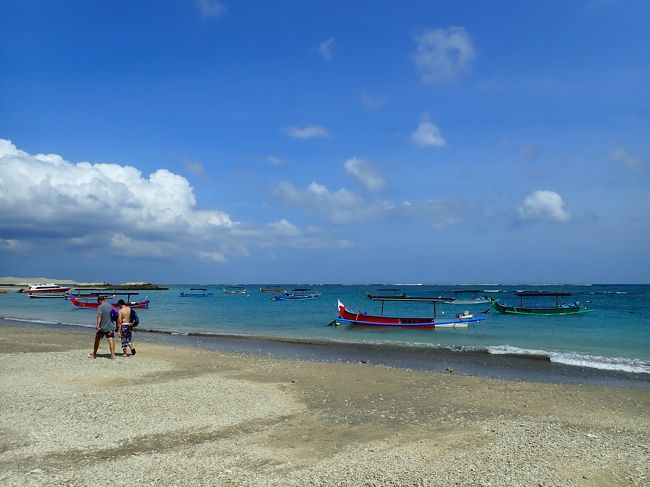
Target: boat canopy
<point>541,293</point>
<point>198,289</point>
<point>420,299</point>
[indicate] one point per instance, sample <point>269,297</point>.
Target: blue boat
<point>297,294</point>
<point>197,292</point>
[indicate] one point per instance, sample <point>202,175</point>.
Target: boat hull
<point>533,311</point>
<point>292,297</point>
<point>360,319</point>
<point>90,305</point>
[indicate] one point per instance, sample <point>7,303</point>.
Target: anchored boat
<point>559,309</point>
<point>93,304</point>
<point>235,290</point>
<point>297,294</point>
<point>363,319</point>
<point>474,299</point>
<point>197,292</point>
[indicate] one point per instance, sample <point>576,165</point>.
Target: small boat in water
<point>474,299</point>
<point>560,309</point>
<point>46,291</point>
<point>384,292</point>
<point>297,294</point>
<point>197,292</point>
<point>235,290</point>
<point>93,304</point>
<point>274,290</point>
<point>363,319</point>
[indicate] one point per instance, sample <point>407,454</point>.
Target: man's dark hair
<point>121,302</point>
<point>100,298</point>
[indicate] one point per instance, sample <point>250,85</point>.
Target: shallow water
<point>615,336</point>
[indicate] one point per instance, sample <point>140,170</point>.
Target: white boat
<point>46,291</point>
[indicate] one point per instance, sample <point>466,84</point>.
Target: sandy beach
<point>176,415</point>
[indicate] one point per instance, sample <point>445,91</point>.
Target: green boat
<point>559,309</point>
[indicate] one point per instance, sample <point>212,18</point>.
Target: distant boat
<point>476,299</point>
<point>559,309</point>
<point>385,292</point>
<point>46,291</point>
<point>297,294</point>
<point>274,290</point>
<point>235,290</point>
<point>197,292</point>
<point>362,319</point>
<point>94,304</point>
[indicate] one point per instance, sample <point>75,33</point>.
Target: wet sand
<point>178,415</point>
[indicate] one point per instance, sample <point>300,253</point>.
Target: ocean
<point>615,336</point>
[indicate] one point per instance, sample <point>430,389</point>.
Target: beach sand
<point>176,415</point>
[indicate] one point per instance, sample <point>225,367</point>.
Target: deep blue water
<point>616,335</point>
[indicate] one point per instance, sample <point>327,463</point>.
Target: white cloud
<point>365,172</point>
<point>217,257</point>
<point>196,168</point>
<point>48,202</point>
<point>325,49</point>
<point>274,160</point>
<point>428,134</point>
<point>307,132</point>
<point>343,206</point>
<point>371,101</point>
<point>443,54</point>
<point>543,205</point>
<point>338,206</point>
<point>210,9</point>
<point>626,159</point>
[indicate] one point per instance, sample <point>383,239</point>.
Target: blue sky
<point>220,141</point>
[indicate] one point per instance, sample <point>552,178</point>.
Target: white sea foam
<point>580,359</point>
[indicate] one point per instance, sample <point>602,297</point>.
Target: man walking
<point>124,327</point>
<point>104,326</point>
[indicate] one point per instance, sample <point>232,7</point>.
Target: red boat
<point>80,303</point>
<point>362,319</point>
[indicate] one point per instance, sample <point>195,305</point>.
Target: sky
<point>205,141</point>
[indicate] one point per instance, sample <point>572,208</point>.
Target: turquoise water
<point>616,335</point>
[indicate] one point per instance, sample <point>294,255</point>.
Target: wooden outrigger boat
<point>93,304</point>
<point>274,290</point>
<point>386,292</point>
<point>235,290</point>
<point>476,299</point>
<point>362,319</point>
<point>558,310</point>
<point>199,292</point>
<point>297,294</point>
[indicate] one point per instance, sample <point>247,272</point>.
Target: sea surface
<point>614,336</point>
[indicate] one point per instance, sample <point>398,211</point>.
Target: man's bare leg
<point>111,346</point>
<point>95,347</point>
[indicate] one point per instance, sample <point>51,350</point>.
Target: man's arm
<point>99,319</point>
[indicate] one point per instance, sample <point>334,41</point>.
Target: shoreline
<point>478,363</point>
<point>193,416</point>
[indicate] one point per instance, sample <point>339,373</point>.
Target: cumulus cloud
<point>543,205</point>
<point>442,54</point>
<point>48,201</point>
<point>210,9</point>
<point>307,132</point>
<point>343,206</point>
<point>428,134</point>
<point>325,49</point>
<point>365,172</point>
